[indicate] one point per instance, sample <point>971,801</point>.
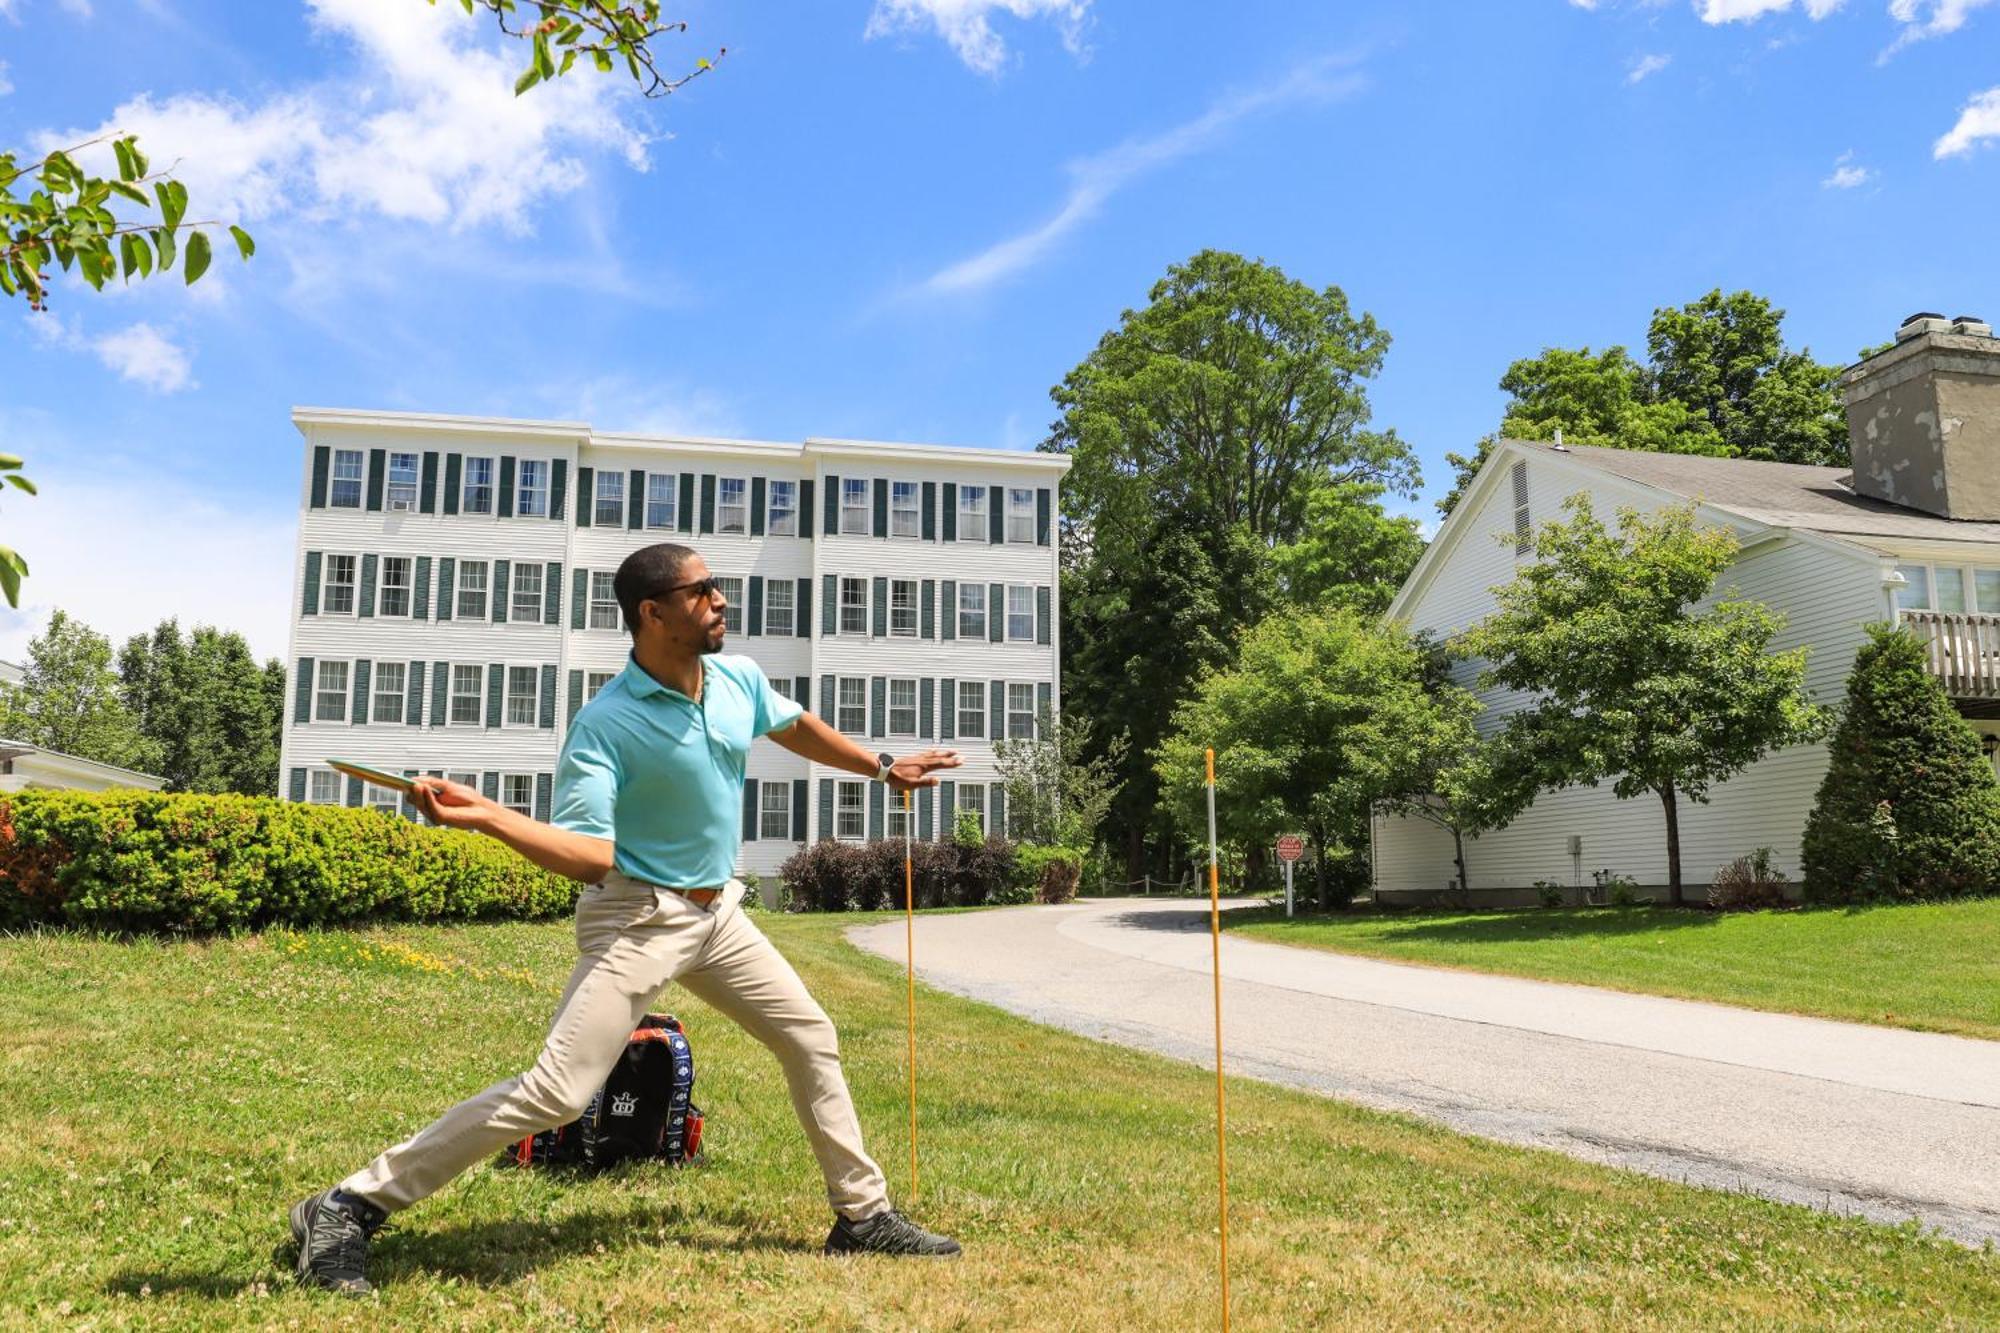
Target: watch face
<point>885,761</point>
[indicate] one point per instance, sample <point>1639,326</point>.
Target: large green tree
<point>1634,682</point>
<point>1058,784</point>
<point>1718,380</point>
<point>1210,432</point>
<point>69,700</point>
<point>207,707</point>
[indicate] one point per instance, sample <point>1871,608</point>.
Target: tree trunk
<point>1458,855</point>
<point>1673,846</point>
<point>1135,852</point>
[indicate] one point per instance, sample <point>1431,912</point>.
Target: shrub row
<point>154,862</point>
<point>833,876</point>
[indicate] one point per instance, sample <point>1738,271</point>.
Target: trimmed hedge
<point>155,862</point>
<point>831,876</point>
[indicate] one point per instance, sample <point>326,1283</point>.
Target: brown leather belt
<point>699,897</point>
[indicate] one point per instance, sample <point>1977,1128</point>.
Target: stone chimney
<point>1923,418</point>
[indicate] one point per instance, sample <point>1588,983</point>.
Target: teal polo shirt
<point>661,776</point>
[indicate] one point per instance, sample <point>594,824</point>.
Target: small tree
<point>1909,807</point>
<point>206,706</point>
<point>1634,684</point>
<point>1056,795</point>
<point>68,700</point>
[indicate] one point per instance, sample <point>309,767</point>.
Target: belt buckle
<point>703,898</point>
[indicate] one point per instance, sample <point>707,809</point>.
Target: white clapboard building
<point>453,609</point>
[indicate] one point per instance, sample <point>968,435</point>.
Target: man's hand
<point>916,770</point>
<point>454,805</point>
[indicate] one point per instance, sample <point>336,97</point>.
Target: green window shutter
<point>829,609</point>
<point>996,710</point>
<point>926,702</point>
<point>321,469</point>
<point>948,610</point>
<point>298,784</point>
<point>996,827</point>
<point>310,606</point>
<point>440,692</point>
<point>552,593</point>
<point>930,511</point>
<point>996,514</point>
<point>996,612</point>
<point>753,622</point>
<point>367,602</point>
<point>501,571</point>
<point>558,489</point>
<point>802,690</point>
<point>951,511</point>
<point>878,704</point>
<point>447,579</point>
<point>506,506</point>
<point>1042,613</point>
<point>427,487</point>
<point>832,506</point>
<point>1043,691</point>
<point>875,811</point>
<point>409,806</point>
<point>489,786</point>
<point>420,595</point>
<point>708,502</point>
<point>798,809</point>
<point>354,793</point>
<point>946,791</point>
<point>547,714</point>
<point>1043,505</point>
<point>586,501</point>
<point>579,593</point>
<point>805,519</point>
<point>881,507</point>
<point>496,680</point>
<point>825,809</point>
<point>575,694</point>
<point>927,609</point>
<point>802,610</point>
<point>357,713</point>
<point>378,465</point>
<point>635,500</point>
<point>303,696</point>
<point>413,705</point>
<point>826,699</point>
<point>453,466</point>
<point>749,809</point>
<point>924,799</point>
<point>545,790</point>
<point>756,506</point>
<point>881,600</point>
<point>947,709</point>
<point>684,511</point>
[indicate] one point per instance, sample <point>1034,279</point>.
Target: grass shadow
<point>1506,926</point>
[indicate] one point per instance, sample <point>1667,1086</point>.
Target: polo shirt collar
<point>642,684</point>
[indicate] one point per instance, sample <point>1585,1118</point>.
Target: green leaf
<point>569,58</point>
<point>603,59</point>
<point>197,256</point>
<point>528,79</point>
<point>91,261</point>
<point>132,192</point>
<point>12,567</point>
<point>128,252</point>
<point>543,60</point>
<point>10,461</point>
<point>139,162</point>
<point>173,201</point>
<point>122,150</point>
<point>244,245</point>
<point>163,241</point>
<point>16,479</point>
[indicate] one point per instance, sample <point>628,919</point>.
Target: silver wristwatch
<point>883,763</point>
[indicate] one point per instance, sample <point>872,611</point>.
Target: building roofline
<point>15,749</point>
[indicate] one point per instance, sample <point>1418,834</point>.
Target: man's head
<point>669,600</point>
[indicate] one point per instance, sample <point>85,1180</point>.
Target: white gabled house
<point>1910,534</point>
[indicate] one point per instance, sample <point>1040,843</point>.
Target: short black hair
<point>645,574</point>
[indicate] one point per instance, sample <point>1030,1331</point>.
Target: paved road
<point>1874,1121</point>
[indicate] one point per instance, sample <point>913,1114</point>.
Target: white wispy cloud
<point>1846,174</point>
<point>144,355</point>
<point>965,25</point>
<point>6,84</point>
<point>1645,66</point>
<point>1977,123</point>
<point>1744,11</point>
<point>1094,180</point>
<point>1921,19</point>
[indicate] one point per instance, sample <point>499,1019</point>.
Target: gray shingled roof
<point>1786,495</point>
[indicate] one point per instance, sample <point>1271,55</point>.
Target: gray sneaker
<point>333,1242</point>
<point>888,1233</point>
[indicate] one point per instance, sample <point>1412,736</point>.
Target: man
<point>647,808</point>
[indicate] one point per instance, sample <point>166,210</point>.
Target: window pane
<point>388,690</point>
<point>1020,514</point>
<point>526,595</point>
<point>1950,589</point>
<point>971,610</point>
<point>325,788</point>
<point>851,712</point>
<point>784,502</point>
<point>517,792</point>
<point>472,590</point>
<point>903,607</point>
<point>338,598</point>
<point>604,613</point>
<point>331,687</point>
<point>1986,586</point>
<point>346,479</point>
<point>854,506</point>
<point>467,687</point>
<point>386,799</point>
<point>478,498</point>
<point>533,493</point>
<point>902,708</point>
<point>732,603</point>
<point>854,606</point>
<point>775,819</point>
<point>1020,612</point>
<point>593,681</point>
<point>1915,594</point>
<point>402,494</point>
<point>972,800</point>
<point>732,505</point>
<point>847,822</point>
<point>778,606</point>
<point>972,513</point>
<point>395,591</point>
<point>1020,712</point>
<point>904,518</point>
<point>662,499</point>
<point>522,689</point>
<point>608,508</point>
<point>898,818</point>
<point>971,708</point>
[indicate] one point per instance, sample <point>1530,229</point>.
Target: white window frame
<point>593,681</point>
<point>977,807</point>
<point>604,612</point>
<point>408,587</point>
<point>527,781</point>
<point>610,486</point>
<point>977,729</point>
<point>321,694</point>
<point>903,614</point>
<point>731,586</point>
<point>978,594</point>
<point>781,520</point>
<point>1027,634</point>
<point>780,621</point>
<point>476,497</point>
<point>732,517</point>
<point>1021,514</point>
<point>387,800</point>
<point>1925,582</point>
<point>508,697</point>
<point>905,520</point>
<point>464,779</point>
<point>843,807</point>
<point>894,708</point>
<point>399,496</point>
<point>531,489</point>
<point>453,695</point>
<point>400,695</point>
<point>517,588</point>
<point>859,706</point>
<point>783,686</point>
<point>484,592</point>
<point>1020,721</point>
<point>328,583</point>
<point>663,511</point>
<point>972,501</point>
<point>774,817</point>
<point>859,608</point>
<point>316,778</point>
<point>342,459</point>
<point>896,818</point>
<point>849,526</point>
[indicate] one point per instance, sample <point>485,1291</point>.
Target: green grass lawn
<point>161,1104</point>
<point>1934,966</point>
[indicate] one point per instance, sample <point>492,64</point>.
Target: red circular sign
<point>1291,847</point>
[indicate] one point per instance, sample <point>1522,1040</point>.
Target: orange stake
<point>910,981</point>
<point>1215,958</point>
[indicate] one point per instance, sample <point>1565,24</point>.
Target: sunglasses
<point>705,589</point>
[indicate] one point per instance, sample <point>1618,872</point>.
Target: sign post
<point>1290,848</point>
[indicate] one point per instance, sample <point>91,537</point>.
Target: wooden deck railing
<point>1964,650</point>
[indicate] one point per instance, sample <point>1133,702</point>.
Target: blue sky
<point>906,219</point>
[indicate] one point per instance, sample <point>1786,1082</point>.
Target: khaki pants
<point>634,939</point>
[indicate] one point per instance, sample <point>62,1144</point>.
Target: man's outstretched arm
<point>813,739</point>
<point>455,805</point>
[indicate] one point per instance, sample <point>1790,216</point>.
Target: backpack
<point>644,1110</point>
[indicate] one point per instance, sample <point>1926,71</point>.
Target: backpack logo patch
<point>625,1103</point>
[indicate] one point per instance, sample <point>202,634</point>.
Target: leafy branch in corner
<point>606,31</point>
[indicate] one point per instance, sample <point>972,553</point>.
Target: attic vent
<point>1523,528</point>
